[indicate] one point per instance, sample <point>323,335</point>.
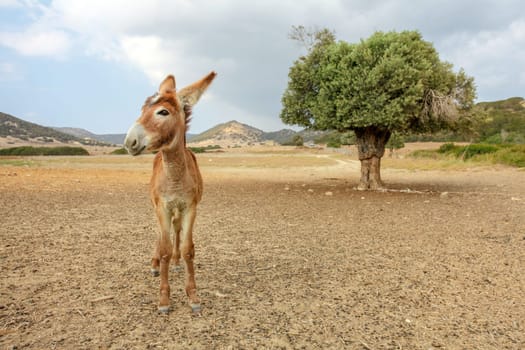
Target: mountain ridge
<point>503,116</point>
<point>16,128</point>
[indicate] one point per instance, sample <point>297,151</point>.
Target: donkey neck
<point>174,160</point>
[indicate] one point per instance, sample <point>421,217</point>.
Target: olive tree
<point>390,82</point>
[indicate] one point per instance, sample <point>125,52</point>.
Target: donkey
<point>176,182</point>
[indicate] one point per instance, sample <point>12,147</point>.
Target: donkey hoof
<point>155,272</point>
<point>164,309</point>
<point>195,308</point>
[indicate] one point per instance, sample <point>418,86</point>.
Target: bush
<point>447,148</point>
<point>511,155</point>
<point>298,140</point>
<point>120,151</point>
<point>508,154</point>
<point>44,151</point>
<point>205,149</point>
<point>475,149</point>
<point>334,140</point>
<point>198,149</point>
<point>469,151</point>
<point>347,138</point>
<point>396,141</point>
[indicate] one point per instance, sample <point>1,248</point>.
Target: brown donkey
<point>176,182</point>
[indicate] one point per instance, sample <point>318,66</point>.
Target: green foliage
<point>396,141</point>
<point>44,151</point>
<point>447,148</point>
<point>467,152</point>
<point>120,151</point>
<point>513,155</point>
<point>334,141</point>
<point>327,137</point>
<point>204,149</point>
<point>298,140</point>
<point>392,81</point>
<point>347,138</point>
<point>503,121</point>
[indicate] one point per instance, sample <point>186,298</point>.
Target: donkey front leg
<point>176,224</point>
<point>188,254</point>
<point>165,249</point>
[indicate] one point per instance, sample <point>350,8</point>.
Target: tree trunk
<point>371,143</point>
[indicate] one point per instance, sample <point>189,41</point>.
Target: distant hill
<point>504,121</point>
<point>23,130</point>
<point>281,136</point>
<point>230,133</point>
<point>235,133</point>
<point>114,139</point>
<point>77,132</point>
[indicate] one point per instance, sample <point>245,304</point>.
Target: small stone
<point>328,193</point>
<point>310,190</point>
<point>444,195</point>
<point>287,188</point>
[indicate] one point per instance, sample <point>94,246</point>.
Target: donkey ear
<point>191,93</point>
<point>167,84</point>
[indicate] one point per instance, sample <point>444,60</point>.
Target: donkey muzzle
<point>135,141</point>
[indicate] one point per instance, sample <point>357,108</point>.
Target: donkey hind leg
<point>165,249</point>
<point>176,226</point>
<point>188,254</point>
<point>155,260</point>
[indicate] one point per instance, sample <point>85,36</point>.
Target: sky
<point>91,63</point>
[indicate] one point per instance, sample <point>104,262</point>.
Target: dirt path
<point>286,257</point>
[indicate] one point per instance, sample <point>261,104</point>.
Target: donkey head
<point>165,116</point>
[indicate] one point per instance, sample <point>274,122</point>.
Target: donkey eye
<point>163,112</point>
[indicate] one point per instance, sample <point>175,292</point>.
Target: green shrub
<point>475,149</point>
<point>120,151</point>
<point>396,141</point>
<point>511,155</point>
<point>334,140</point>
<point>447,148</point>
<point>44,151</point>
<point>507,154</point>
<point>198,149</point>
<point>469,151</point>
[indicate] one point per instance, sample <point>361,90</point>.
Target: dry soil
<point>288,255</point>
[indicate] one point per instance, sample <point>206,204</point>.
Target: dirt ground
<point>288,256</point>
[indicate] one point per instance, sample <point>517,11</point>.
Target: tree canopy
<point>390,82</point>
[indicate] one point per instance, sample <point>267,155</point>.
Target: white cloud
<point>495,58</point>
<point>37,43</point>
<point>10,3</point>
<point>247,44</point>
